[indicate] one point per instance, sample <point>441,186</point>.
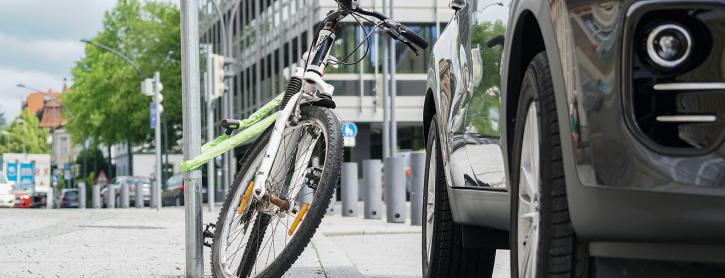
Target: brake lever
<point>392,27</point>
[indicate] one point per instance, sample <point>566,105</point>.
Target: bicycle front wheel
<point>258,239</point>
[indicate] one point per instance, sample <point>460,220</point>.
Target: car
<point>30,200</point>
<point>7,197</point>
<point>116,184</point>
<point>69,198</point>
<point>172,191</point>
<point>584,136</point>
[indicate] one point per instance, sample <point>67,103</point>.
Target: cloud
<point>11,96</point>
<point>55,54</point>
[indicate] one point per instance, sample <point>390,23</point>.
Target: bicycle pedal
<point>208,233</point>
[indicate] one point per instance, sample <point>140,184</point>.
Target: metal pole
<point>386,93</point>
<point>210,174</point>
<point>393,91</point>
<point>372,175</point>
<point>139,202</point>
<point>110,196</point>
<point>96,196</point>
<point>417,165</point>
<point>124,195</point>
<point>395,189</point>
<point>192,135</point>
<point>157,137</point>
<point>348,189</point>
<point>82,195</point>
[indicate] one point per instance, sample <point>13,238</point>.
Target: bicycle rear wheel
<point>260,239</point>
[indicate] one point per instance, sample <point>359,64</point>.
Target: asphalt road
<point>150,243</point>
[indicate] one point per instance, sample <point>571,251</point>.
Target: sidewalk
<point>150,243</point>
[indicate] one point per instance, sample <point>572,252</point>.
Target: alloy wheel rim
<point>430,203</point>
<point>529,205</point>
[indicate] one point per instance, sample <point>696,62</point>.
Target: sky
<point>40,42</point>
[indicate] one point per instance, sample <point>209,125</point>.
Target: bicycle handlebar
<point>396,30</point>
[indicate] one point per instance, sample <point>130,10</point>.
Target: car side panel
<point>489,19</point>
<point>451,81</point>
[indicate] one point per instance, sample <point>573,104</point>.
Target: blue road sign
<point>152,114</point>
<point>349,129</point>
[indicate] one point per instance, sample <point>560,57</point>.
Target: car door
<point>488,22</point>
<point>453,70</point>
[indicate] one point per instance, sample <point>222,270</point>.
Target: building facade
<point>269,37</point>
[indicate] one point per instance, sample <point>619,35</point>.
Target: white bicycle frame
<point>308,143</point>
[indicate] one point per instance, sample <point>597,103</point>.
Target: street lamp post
<point>156,88</point>
<point>20,85</point>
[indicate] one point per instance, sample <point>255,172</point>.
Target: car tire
<point>543,242</point>
<point>443,251</point>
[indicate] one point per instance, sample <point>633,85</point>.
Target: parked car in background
<point>30,200</point>
<point>172,191</point>
<point>68,198</point>
<point>7,197</point>
<point>585,136</point>
<point>116,184</point>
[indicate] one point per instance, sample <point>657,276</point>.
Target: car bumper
<point>623,189</point>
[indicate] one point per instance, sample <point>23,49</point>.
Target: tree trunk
<point>130,158</point>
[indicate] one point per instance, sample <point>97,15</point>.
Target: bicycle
<point>287,177</point>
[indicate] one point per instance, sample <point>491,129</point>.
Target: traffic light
<point>160,97</point>
<point>217,75</point>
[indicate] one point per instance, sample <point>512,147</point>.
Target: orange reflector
<point>245,198</point>
<point>301,214</point>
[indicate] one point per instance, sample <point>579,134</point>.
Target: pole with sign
<point>349,131</point>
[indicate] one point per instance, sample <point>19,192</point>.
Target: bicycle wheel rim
<point>234,240</point>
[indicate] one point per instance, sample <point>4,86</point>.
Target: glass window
<point>407,60</point>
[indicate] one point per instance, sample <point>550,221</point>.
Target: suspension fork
<point>260,179</point>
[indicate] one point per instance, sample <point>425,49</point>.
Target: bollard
<point>49,198</point>
<point>110,196</point>
<point>417,168</point>
<point>348,188</point>
<point>124,196</point>
<point>152,189</point>
<point>138,194</point>
<point>373,200</point>
<point>96,197</point>
<point>395,189</point>
<point>82,195</point>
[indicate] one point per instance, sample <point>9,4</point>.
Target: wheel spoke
<point>528,196</point>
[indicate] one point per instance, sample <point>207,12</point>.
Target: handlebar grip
<point>230,125</point>
<point>413,37</point>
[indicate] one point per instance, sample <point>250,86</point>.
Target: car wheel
<point>443,251</point>
<point>543,243</point>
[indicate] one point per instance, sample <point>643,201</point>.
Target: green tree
<point>2,119</point>
<point>94,160</point>
<point>25,133</point>
<point>105,103</point>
